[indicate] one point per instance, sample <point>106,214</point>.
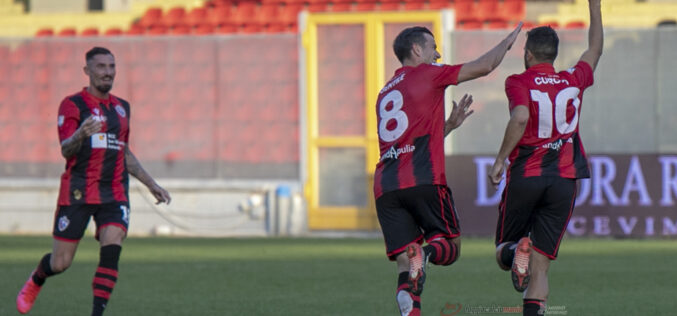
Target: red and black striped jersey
<point>551,144</point>
<point>410,112</point>
<point>97,173</point>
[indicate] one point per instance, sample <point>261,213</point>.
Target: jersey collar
<point>94,98</point>
<point>543,67</point>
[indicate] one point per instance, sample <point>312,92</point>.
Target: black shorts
<point>539,207</point>
<point>70,221</point>
<point>411,214</point>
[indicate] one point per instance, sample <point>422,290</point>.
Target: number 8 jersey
<point>551,145</point>
<point>410,112</point>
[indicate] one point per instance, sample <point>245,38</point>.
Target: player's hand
<point>496,174</point>
<point>459,112</point>
<point>89,127</point>
<point>160,194</point>
<point>513,35</point>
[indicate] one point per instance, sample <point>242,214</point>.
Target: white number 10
<point>561,102</point>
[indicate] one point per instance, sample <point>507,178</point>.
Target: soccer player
<point>413,201</point>
<point>546,157</point>
<point>93,128</point>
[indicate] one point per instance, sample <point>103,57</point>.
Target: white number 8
<point>561,102</point>
<point>394,114</point>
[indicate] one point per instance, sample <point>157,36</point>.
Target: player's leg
<point>550,222</point>
<point>112,221</point>
<point>434,209</point>
<point>400,232</point>
<point>69,227</point>
<point>515,218</point>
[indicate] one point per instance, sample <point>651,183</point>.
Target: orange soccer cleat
<point>29,292</point>
<point>416,268</point>
<point>520,265</point>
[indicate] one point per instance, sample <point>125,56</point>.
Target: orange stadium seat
<point>44,32</point>
<point>69,31</point>
<point>181,29</point>
<point>204,29</point>
<point>157,30</point>
<point>136,29</point>
<point>90,31</point>
<point>244,17</point>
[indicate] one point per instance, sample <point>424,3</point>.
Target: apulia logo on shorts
<point>63,223</point>
<point>77,194</point>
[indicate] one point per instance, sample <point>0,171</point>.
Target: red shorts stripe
<point>418,240</point>
<point>65,239</point>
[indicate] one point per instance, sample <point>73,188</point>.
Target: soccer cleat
<point>520,265</point>
<point>29,292</point>
<point>405,302</point>
<point>416,268</point>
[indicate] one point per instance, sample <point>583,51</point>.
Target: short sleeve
<point>68,120</point>
<point>445,75</point>
<point>583,74</point>
<point>516,92</point>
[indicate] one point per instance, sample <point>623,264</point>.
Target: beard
<point>104,88</point>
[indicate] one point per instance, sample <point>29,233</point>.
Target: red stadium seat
<point>90,31</point>
<point>204,29</point>
<point>153,16</point>
<point>136,29</point>
<point>175,17</point>
<point>341,5</point>
<point>180,30</point>
<point>157,30</point>
<point>496,24</point>
<point>365,5</point>
<point>575,25</point>
<point>197,17</point>
<point>318,5</point>
<point>69,31</point>
<point>465,10</point>
<point>488,10</point>
<point>514,10</point>
<point>439,4</point>
<point>414,5</point>
<point>220,15</point>
<point>469,24</point>
<point>114,31</point>
<point>45,32</point>
<point>389,5</point>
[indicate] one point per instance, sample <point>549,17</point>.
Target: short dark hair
<point>406,39</point>
<point>96,51</point>
<point>542,42</point>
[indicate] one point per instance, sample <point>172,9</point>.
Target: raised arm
<point>519,116</point>
<point>595,35</point>
<point>486,63</point>
<point>135,169</point>
<point>71,145</point>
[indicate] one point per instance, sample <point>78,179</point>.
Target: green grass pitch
<point>308,276</point>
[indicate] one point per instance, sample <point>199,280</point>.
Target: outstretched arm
<point>513,133</point>
<point>595,35</point>
<point>486,63</point>
<point>135,169</point>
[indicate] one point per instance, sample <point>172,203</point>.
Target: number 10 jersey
<point>410,112</point>
<point>551,145</point>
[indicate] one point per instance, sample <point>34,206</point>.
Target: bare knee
<point>60,263</point>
